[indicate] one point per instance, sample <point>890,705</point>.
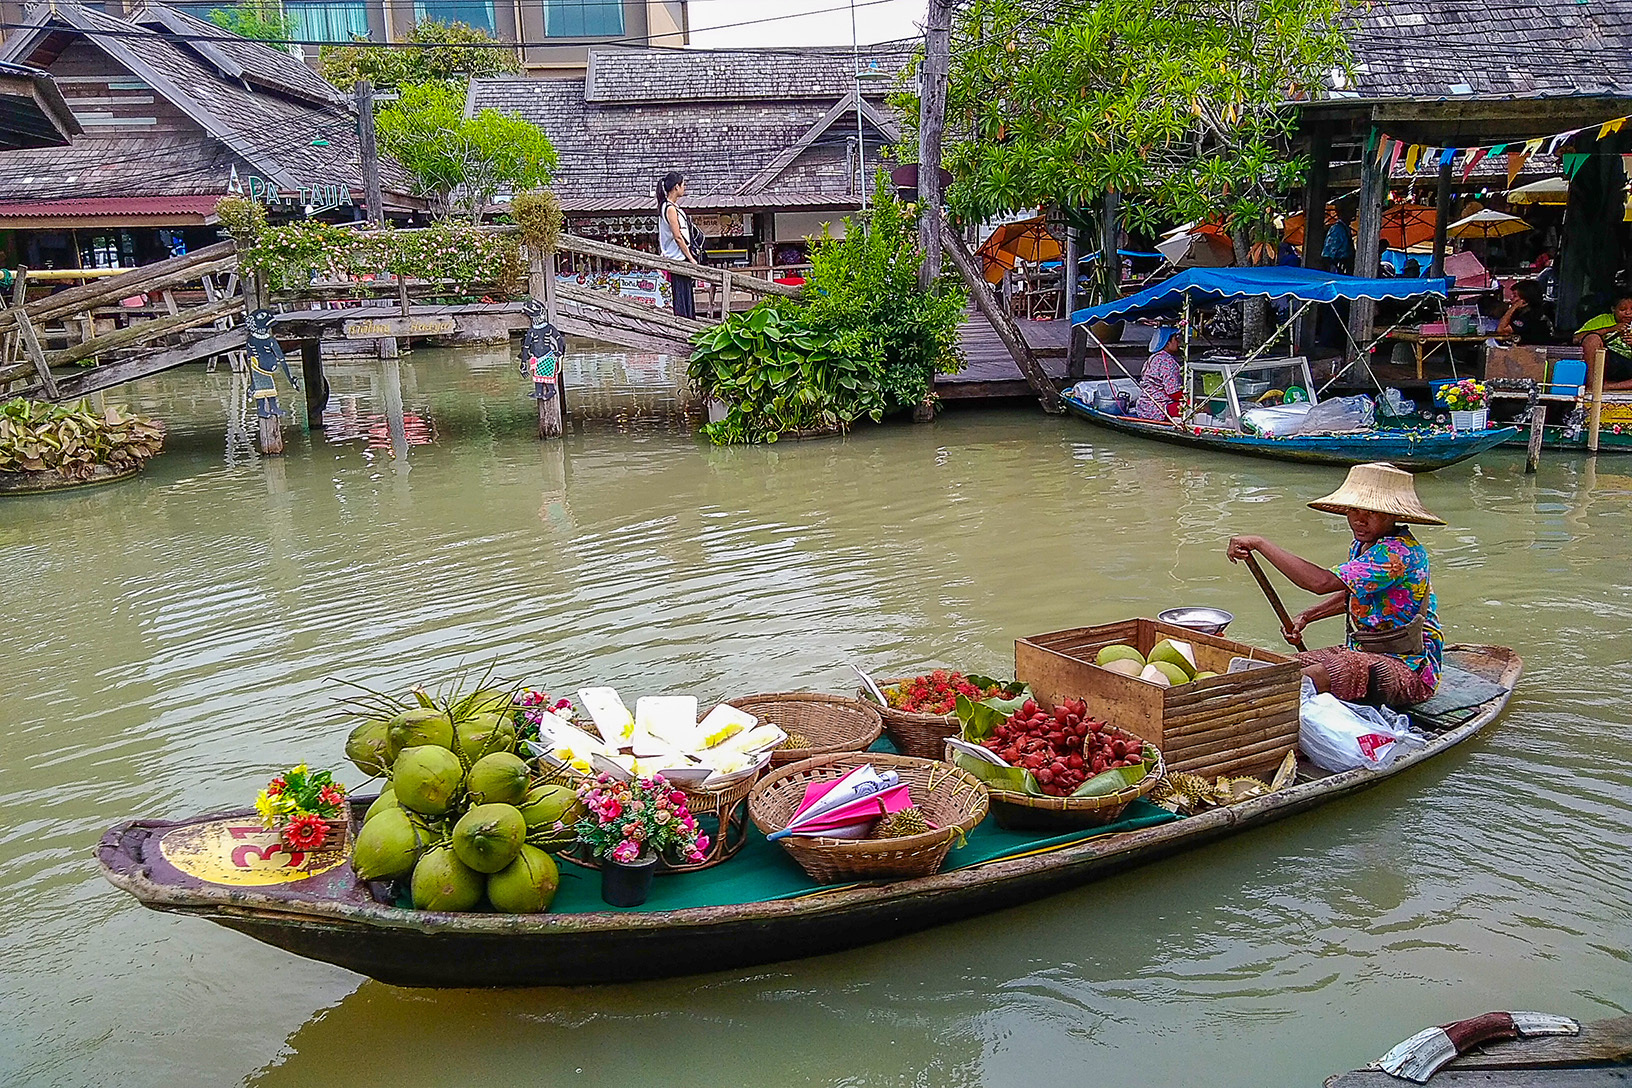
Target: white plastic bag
<point>1339,736</point>
<point>1340,415</point>
<point>1275,419</point>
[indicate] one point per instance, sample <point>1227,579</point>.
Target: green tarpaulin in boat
<point>763,870</point>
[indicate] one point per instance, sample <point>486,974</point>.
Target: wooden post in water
<point>1532,453</point>
<point>1595,410</point>
<point>317,386</point>
<point>933,78</point>
<point>541,286</point>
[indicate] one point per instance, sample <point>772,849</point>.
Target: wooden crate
<point>1237,724</point>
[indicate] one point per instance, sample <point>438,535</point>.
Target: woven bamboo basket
<point>1016,811</point>
<point>922,736</point>
<point>952,799</point>
<point>832,723</point>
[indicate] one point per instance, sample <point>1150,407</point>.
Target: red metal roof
<point>89,207</point>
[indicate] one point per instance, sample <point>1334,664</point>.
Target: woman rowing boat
<point>1393,651</point>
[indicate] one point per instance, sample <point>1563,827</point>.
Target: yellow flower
<point>271,808</point>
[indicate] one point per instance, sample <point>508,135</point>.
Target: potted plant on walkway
<point>1466,400</point>
<point>629,827</point>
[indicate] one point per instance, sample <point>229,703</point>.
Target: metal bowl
<point>1197,617</point>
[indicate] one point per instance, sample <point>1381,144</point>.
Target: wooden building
<point>169,126</point>
<point>1479,75</point>
<point>767,139</point>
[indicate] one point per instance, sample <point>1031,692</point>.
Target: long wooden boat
<point>1614,424</point>
<point>1564,1055</point>
<point>1421,451</point>
<point>328,915</point>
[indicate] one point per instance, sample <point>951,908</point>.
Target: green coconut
<point>526,885</point>
<point>553,803</point>
<point>388,845</point>
<point>1127,666</point>
<point>1175,653</point>
<point>483,735</point>
<point>1174,675</point>
<point>1205,674</point>
<point>484,701</point>
<point>488,837</point>
<point>419,727</point>
<point>369,747</point>
<point>500,778</point>
<point>426,779</point>
<point>1119,653</point>
<point>386,799</point>
<point>443,882</point>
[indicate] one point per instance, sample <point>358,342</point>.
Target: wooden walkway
<point>992,374</point>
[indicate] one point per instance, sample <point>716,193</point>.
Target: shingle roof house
<point>170,120</point>
<point>750,129</point>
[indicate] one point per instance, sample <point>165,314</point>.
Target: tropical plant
<point>462,162</point>
<point>261,20</point>
<point>777,375</point>
<point>862,293</point>
<point>460,58</point>
<point>538,214</point>
<point>242,218</point>
<point>73,440</point>
<point>1178,108</point>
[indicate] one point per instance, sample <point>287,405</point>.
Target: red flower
<point>276,786</point>
<point>305,833</point>
<point>331,796</point>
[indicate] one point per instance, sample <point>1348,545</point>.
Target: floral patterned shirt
<point>1388,585</point>
<point>1158,382</point>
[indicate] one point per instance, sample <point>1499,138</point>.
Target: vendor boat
<point>1419,450</point>
<point>320,910</point>
<point>1221,390</point>
<point>1506,1050</point>
<point>1564,425</point>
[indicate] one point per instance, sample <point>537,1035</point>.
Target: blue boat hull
<point>1416,450</point>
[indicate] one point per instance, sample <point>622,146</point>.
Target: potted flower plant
<point>629,826</point>
<point>1467,401</point>
<point>306,807</point>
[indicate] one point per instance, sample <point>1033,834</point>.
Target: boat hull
<point>1420,453</point>
<point>429,949</point>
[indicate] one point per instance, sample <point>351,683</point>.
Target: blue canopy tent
<point>1276,282</point>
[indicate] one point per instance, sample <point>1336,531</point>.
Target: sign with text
<point>369,328</point>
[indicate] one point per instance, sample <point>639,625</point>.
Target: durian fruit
<point>897,825</point>
<point>796,740</point>
<point>1192,789</point>
<point>1287,773</point>
<point>1231,790</point>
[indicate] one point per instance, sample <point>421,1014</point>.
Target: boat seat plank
<point>1601,1041</point>
<point>1595,1077</point>
<point>1460,696</point>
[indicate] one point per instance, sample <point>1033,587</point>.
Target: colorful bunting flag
<point>1394,157</point>
<point>1532,146</point>
<point>1411,158</point>
<point>1474,158</point>
<point>1383,146</point>
<point>1610,126</point>
<point>1446,156</point>
<point>1515,163</point>
<point>1573,161</point>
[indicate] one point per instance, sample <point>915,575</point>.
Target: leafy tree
<point>461,58</point>
<point>1179,107</point>
<point>462,162</point>
<point>261,20</point>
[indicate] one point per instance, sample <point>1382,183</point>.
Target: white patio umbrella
<point>1545,191</point>
<point>1487,224</point>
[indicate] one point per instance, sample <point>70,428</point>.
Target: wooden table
<point>1433,343</point>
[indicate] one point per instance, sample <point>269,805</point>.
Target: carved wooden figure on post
<point>265,356</point>
<point>543,347</point>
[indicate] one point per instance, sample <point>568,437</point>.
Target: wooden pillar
<point>552,411</point>
<point>1004,325</point>
<point>933,77</point>
<point>270,437</point>
<point>317,386</point>
<point>1595,409</point>
<point>1076,348</point>
<point>1442,212</point>
<point>1538,423</point>
<point>1590,254</point>
<point>1315,195</point>
<point>725,293</point>
<point>369,151</point>
<point>1367,251</point>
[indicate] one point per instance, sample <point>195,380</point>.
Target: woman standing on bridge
<point>674,238</point>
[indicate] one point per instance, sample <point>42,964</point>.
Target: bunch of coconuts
<point>462,821</point>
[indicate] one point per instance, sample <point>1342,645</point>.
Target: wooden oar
<point>1274,599</point>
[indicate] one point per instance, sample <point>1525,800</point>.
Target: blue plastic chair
<point>1569,375</point>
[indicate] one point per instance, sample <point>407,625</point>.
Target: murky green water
<point>168,642</point>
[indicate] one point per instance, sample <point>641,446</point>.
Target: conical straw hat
<point>1380,488</point>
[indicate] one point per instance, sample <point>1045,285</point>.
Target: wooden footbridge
<point>190,309</point>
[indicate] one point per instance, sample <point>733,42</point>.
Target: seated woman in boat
<point>1393,651</point>
<point>1609,333</point>
<point>1162,380</point>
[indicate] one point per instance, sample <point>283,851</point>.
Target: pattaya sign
<point>320,196</point>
